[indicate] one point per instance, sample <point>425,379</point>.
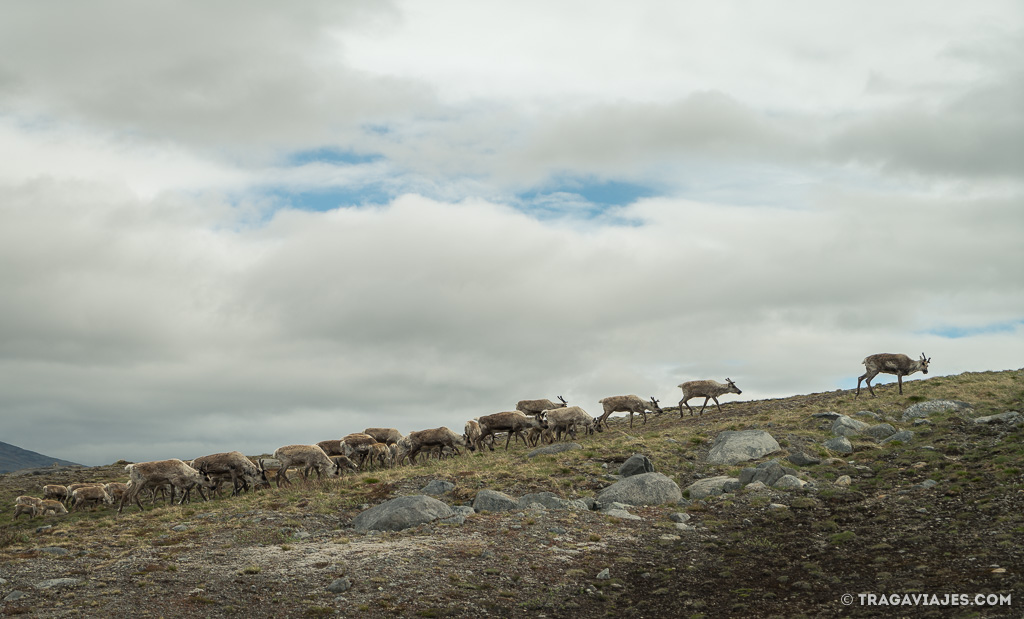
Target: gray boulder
<point>801,459</point>
<point>826,415</point>
<point>711,486</point>
<point>767,473</point>
<point>880,431</point>
<point>840,445</point>
<point>549,500</point>
<point>402,513</point>
<point>553,449</point>
<point>621,514</point>
<point>924,409</point>
<point>904,436</point>
<point>1012,418</point>
<point>643,489</point>
<point>493,501</point>
<point>734,447</point>
<point>438,486</point>
<point>848,426</point>
<point>637,464</point>
<point>789,482</point>
<point>340,585</point>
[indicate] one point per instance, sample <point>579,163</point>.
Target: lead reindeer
<point>889,363</point>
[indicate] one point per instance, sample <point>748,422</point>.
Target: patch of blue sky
<point>330,198</point>
<point>954,332</point>
<point>581,198</point>
<point>333,156</point>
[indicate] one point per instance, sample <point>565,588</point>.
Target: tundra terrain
<point>750,553</point>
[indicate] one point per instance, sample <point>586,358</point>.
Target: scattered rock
<point>437,487</point>
<point>867,414</point>
<point>679,517</point>
<point>848,426</point>
<point>15,595</point>
<point>548,500</point>
<point>461,512</point>
<point>789,482</point>
<point>826,415</point>
<point>1012,418</point>
<point>340,585</point>
<point>553,449</point>
<point>880,431</point>
<point>734,447</point>
<point>622,514</point>
<point>801,459</point>
<point>54,550</point>
<point>637,464</point>
<point>643,489</point>
<point>402,513</point>
<point>767,473</point>
<point>843,481</point>
<point>493,501</point>
<point>924,409</point>
<point>757,486</point>
<point>54,583</point>
<point>839,444</point>
<point>904,436</point>
<point>709,486</point>
<point>604,574</point>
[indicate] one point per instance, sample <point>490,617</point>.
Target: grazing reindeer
<point>888,363</point>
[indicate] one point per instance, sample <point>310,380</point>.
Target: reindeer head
<point>564,403</point>
<point>654,405</point>
<point>924,361</point>
<point>733,386</point>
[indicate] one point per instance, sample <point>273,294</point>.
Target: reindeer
<point>537,407</point>
<point>633,404</point>
<point>709,389</point>
<point>889,363</point>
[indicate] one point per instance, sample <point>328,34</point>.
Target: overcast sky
<point>241,225</point>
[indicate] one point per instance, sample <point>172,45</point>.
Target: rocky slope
<point>938,513</point>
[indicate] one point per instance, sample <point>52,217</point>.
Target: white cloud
<point>826,182</point>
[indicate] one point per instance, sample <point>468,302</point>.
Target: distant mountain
<point>15,458</point>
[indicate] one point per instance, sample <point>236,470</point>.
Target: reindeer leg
<point>899,378</point>
<point>717,404</point>
<point>705,404</point>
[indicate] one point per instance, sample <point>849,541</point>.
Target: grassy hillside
<point>762,554</point>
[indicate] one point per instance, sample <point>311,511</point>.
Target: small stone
<point>904,436</point>
<point>438,486</point>
<point>679,517</point>
<point>15,595</point>
<point>604,574</point>
<point>839,444</point>
<point>801,459</point>
<point>54,550</point>
<point>843,481</point>
<point>341,585</point>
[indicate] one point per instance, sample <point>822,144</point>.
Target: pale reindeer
<point>708,389</point>
<point>889,363</point>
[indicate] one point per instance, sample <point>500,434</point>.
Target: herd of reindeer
<point>533,421</point>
